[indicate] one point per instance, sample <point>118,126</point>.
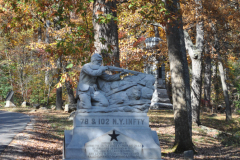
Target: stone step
<point>161,106</point>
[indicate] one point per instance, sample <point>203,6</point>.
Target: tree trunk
<point>49,90</point>
<point>71,97</point>
<point>40,34</point>
<point>225,91</point>
<point>215,79</point>
<point>222,75</point>
<point>9,68</point>
<point>207,76</point>
<point>21,83</point>
<point>69,87</point>
<point>186,79</point>
<point>20,69</point>
<point>196,53</point>
<point>196,86</point>
<point>156,31</point>
<point>197,66</point>
<point>106,33</point>
<point>59,88</point>
<point>47,72</point>
<point>47,40</point>
<point>183,140</point>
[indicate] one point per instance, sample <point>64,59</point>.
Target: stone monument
<point>111,121</point>
<point>160,99</point>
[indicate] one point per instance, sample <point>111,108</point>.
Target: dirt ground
<point>43,138</point>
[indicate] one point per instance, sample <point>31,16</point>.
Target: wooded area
<point>44,44</point>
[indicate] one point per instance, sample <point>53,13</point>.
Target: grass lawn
<point>215,139</point>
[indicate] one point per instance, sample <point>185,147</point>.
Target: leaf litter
<point>45,139</point>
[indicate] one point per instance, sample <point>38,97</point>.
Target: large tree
<point>186,78</point>
<point>222,75</point>
<point>106,30</point>
<point>196,57</point>
<point>183,139</point>
<point>59,87</point>
<point>207,75</point>
<point>196,52</point>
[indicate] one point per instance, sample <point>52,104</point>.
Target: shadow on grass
<point>161,118</point>
<point>229,140</point>
<point>222,125</point>
<point>58,125</point>
<point>217,152</point>
<point>207,153</point>
<point>32,153</point>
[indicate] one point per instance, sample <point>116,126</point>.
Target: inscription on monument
<point>114,145</point>
<point>88,121</point>
<point>114,150</point>
<point>106,121</point>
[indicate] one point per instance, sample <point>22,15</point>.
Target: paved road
<point>10,125</point>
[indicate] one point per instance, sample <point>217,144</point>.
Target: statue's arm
<point>86,69</point>
<point>108,77</point>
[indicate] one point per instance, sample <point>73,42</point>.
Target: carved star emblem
<point>113,136</point>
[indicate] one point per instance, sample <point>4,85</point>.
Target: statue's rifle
<point>112,68</point>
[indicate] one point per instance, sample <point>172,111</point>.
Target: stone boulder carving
<point>131,94</point>
<point>100,92</point>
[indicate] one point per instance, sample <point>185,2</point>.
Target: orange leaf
<point>99,12</point>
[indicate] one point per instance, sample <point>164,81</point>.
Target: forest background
<point>44,43</point>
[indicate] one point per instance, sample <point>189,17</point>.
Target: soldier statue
<point>87,91</point>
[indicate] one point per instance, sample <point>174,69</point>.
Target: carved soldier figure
<point>87,90</point>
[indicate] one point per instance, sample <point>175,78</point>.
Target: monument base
<point>9,104</point>
<point>160,100</point>
<point>111,136</point>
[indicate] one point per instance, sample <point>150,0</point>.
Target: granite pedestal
<point>111,136</point>
<point>9,104</point>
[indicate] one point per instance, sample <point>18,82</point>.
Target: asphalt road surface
<point>10,125</point>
